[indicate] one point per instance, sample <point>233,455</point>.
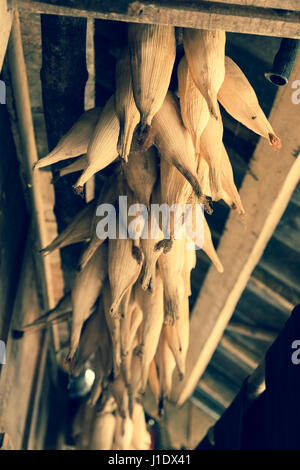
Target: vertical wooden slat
<point>28,156</point>
<point>5,27</point>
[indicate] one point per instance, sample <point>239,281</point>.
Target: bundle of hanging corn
<point>131,293</point>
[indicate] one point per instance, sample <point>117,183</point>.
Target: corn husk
<point>108,195</point>
<point>170,268</point>
<point>141,174</point>
<point>103,431</point>
<point>193,106</point>
<point>127,311</point>
<point>113,324</point>
<point>205,53</point>
<point>119,391</point>
<point>103,363</point>
<point>152,56</point>
<point>177,334</point>
<point>149,241</point>
<point>141,439</point>
<point>123,433</point>
<point>78,229</point>
<point>228,185</point>
<point>123,270</point>
<point>153,381</point>
<point>229,191</point>
<point>136,379</point>
<point>190,261</point>
<point>61,312</point>
<point>175,190</point>
<point>78,165</point>
<point>95,335</point>
<point>125,106</point>
<point>86,289</point>
<point>75,142</point>
<point>211,149</point>
<point>85,420</point>
<point>174,142</point>
<point>239,99</point>
<point>152,306</point>
<point>166,364</point>
<point>102,149</point>
<point>203,238</point>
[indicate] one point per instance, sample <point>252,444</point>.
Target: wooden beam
<point>282,5</point>
<point>238,18</point>
<point>265,198</point>
<point>5,27</point>
<point>252,332</point>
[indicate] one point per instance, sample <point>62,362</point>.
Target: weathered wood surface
<point>5,27</point>
<point>265,199</point>
<point>13,223</point>
<point>281,4</point>
<point>239,18</point>
<point>23,360</point>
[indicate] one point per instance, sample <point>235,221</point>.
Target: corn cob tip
<point>274,141</point>
<point>139,350</point>
<point>165,245</point>
<point>137,254</point>
<point>206,203</point>
<point>180,376</point>
<point>78,190</point>
<point>145,137</point>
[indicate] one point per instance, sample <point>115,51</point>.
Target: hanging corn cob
<point>141,173</point>
<point>239,99</point>
<point>75,142</point>
<point>85,292</point>
<point>193,106</point>
<point>205,53</point>
<point>102,149</point>
<point>152,306</point>
<point>174,142</point>
<point>152,55</point>
<point>125,106</point>
<point>77,231</point>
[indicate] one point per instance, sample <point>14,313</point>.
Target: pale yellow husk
<point>102,149</point>
<point>239,99</point>
<point>152,55</point>
<point>205,53</point>
<point>141,174</point>
<point>76,141</point>
<point>86,289</point>
<point>77,231</point>
<point>174,142</point>
<point>193,106</point>
<point>152,306</point>
<point>125,106</point>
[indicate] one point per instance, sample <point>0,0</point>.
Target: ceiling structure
<point>273,288</point>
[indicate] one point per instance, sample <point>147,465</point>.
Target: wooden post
<point>5,27</point>
<point>265,199</point>
<point>254,17</point>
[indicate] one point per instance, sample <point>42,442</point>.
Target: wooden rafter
<point>265,198</point>
<point>235,16</point>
